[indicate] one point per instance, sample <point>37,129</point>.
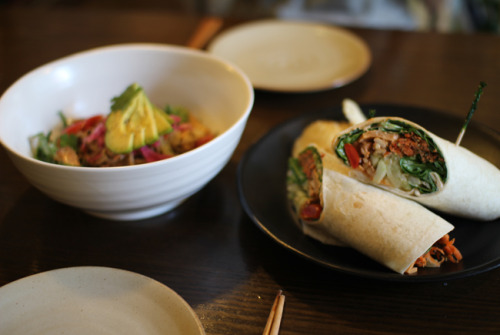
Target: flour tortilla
<point>472,189</point>
<point>473,186</point>
<point>393,231</point>
<point>321,133</point>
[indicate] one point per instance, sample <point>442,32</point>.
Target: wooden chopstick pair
<point>275,316</point>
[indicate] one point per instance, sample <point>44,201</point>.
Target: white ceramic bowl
<point>83,84</point>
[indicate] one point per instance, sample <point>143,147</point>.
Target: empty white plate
<point>93,300</point>
<point>291,56</point>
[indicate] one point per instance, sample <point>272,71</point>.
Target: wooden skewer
<point>207,28</point>
<point>275,316</point>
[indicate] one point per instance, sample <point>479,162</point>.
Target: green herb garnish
<point>473,108</point>
<point>182,113</point>
<point>43,148</point>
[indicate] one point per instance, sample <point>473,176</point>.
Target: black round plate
<point>262,190</point>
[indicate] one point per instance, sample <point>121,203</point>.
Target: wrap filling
<point>395,154</point>
<point>304,179</point>
<point>441,251</point>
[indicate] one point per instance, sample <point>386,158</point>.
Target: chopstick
<point>274,319</point>
<point>207,28</point>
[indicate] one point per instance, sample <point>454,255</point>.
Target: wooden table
<point>208,250</point>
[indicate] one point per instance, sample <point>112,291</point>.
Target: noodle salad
<point>134,132</point>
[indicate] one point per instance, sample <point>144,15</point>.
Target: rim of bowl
<point>139,46</point>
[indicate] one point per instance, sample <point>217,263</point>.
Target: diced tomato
<point>352,155</point>
<point>83,124</point>
<point>74,127</point>
<point>311,211</point>
<point>91,122</point>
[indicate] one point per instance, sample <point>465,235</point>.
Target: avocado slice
<point>134,121</point>
<point>163,121</point>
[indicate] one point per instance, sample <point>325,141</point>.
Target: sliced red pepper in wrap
<point>402,157</point>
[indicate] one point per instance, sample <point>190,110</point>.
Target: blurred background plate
<point>294,56</point>
<point>93,300</point>
<point>262,189</point>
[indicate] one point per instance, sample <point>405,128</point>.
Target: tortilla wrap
<point>472,187</point>
<point>393,231</point>
<point>321,133</point>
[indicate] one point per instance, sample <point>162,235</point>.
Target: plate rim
<point>335,83</point>
<point>364,273</point>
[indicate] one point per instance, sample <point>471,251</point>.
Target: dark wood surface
<point>208,250</point>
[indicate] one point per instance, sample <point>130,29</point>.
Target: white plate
<point>93,300</point>
<point>290,56</point>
